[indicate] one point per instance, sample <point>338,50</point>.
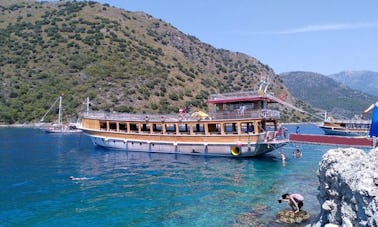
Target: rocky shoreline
<point>348,188</point>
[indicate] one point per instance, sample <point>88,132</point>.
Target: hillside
<point>326,94</point>
<point>124,61</point>
<point>365,81</point>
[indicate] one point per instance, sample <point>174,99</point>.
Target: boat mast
<point>263,87</point>
<point>88,103</point>
<point>60,111</point>
<point>43,118</point>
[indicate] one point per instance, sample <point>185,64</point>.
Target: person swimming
<point>79,178</point>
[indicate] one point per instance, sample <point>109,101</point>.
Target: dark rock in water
<point>289,217</point>
<point>248,220</point>
<point>251,218</point>
<point>259,209</point>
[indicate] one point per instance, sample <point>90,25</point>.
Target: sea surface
<point>122,188</point>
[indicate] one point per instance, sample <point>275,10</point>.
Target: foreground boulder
<point>348,188</point>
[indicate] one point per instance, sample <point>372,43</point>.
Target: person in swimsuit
<point>294,200</point>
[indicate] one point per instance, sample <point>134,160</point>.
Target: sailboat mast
<point>88,105</point>
<point>60,111</point>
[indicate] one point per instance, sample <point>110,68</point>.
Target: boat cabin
<point>230,114</point>
<point>238,124</point>
<point>241,105</point>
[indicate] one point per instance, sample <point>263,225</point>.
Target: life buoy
<point>180,118</point>
<point>235,150</point>
<point>146,118</point>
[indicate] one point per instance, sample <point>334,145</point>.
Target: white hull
<point>244,150</point>
<point>344,132</point>
<point>63,130</point>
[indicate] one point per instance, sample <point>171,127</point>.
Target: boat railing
<point>234,95</point>
<point>226,115</point>
<point>129,116</point>
<point>268,114</point>
<point>349,121</point>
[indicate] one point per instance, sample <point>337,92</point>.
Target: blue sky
<point>323,36</point>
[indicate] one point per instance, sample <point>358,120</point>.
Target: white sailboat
<point>59,127</point>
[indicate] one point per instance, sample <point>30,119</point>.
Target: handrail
<point>234,94</point>
<point>265,114</point>
<point>348,121</point>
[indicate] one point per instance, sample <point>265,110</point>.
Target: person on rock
<point>294,200</point>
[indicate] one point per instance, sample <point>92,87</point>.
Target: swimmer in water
<point>78,178</point>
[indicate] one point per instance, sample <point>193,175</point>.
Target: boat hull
<point>333,140</point>
<point>227,149</point>
<point>62,131</point>
<point>343,132</point>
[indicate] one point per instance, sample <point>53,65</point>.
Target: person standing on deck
<point>374,119</point>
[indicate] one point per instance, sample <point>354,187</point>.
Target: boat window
<point>247,127</point>
<point>214,128</point>
<point>184,128</point>
<point>226,107</point>
<point>122,127</point>
<point>146,128</point>
<point>171,128</point>
<point>262,106</point>
<point>235,106</point>
<point>230,128</point>
<point>198,129</point>
<point>112,126</point>
<point>218,108</point>
<point>133,127</point>
<point>103,125</point>
<point>157,128</point>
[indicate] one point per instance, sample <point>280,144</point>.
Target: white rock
<point>348,188</point>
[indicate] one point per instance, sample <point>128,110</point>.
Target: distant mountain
<point>327,94</point>
<point>366,81</point>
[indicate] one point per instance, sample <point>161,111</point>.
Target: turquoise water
<point>143,189</point>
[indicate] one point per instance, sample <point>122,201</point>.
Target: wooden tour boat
<point>240,125</point>
<point>346,127</point>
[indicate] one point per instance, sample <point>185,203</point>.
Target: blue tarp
<point>374,122</point>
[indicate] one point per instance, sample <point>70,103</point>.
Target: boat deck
<point>363,142</point>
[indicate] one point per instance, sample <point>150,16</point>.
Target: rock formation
<point>348,188</point>
<point>289,217</point>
